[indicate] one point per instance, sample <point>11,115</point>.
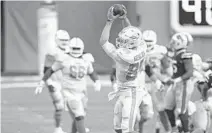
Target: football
<point>118,9</point>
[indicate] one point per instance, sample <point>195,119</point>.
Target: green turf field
<point>23,112</point>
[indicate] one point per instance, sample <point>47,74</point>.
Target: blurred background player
<point>159,70</point>
<point>178,96</point>
<point>74,66</point>
<point>201,118</point>
<point>129,55</point>
<point>54,82</point>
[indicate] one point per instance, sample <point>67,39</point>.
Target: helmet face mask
<point>129,37</point>
<point>178,41</point>
<point>76,46</point>
<point>150,37</point>
<point>62,39</point>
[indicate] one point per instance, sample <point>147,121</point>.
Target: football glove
<point>125,13</point>
<point>40,87</point>
<point>110,15</point>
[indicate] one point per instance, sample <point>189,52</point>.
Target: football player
<point>201,118</point>
<point>74,66</point>
<point>159,69</point>
<point>177,98</point>
<point>129,55</point>
<point>53,83</point>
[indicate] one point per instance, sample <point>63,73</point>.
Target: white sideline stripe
<point>34,84</point>
<point>20,78</point>
<point>27,78</point>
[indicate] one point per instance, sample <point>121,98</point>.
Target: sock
<point>74,128</point>
<point>164,120</point>
<point>80,124</point>
<point>157,130</point>
<point>118,130</point>
<point>171,116</point>
<point>184,118</point>
<point>58,118</point>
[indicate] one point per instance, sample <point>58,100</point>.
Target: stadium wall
<point>85,20</point>
<point>155,15</point>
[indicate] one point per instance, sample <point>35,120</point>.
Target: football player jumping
<point>179,95</point>
<point>129,55</point>
<point>74,66</point>
<point>53,84</point>
<point>159,69</point>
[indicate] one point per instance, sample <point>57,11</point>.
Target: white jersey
<point>154,56</point>
<point>129,63</point>
<point>155,59</point>
<point>74,71</point>
<point>52,56</point>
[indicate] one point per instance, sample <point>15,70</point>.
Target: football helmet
<point>130,37</point>
<point>76,46</point>
<point>189,38</point>
<point>179,41</point>
<point>150,38</point>
<point>62,39</point>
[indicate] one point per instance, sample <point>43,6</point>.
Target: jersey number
<point>77,72</point>
<point>133,70</point>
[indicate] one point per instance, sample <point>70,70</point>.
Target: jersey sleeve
<point>185,56</point>
<point>88,57</point>
<point>110,49</point>
<point>90,68</point>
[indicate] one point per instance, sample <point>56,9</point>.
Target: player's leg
<point>58,102</point>
<point>182,99</point>
<point>158,99</point>
<point>118,115</point>
<point>146,110</point>
<point>201,117</point>
<point>76,106</point>
<point>54,88</point>
<point>169,107</point>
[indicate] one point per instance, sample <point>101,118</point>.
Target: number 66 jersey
<point>74,71</point>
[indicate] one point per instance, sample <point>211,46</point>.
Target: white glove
<point>115,87</point>
<point>97,85</point>
<point>159,85</point>
<point>110,15</point>
<point>40,87</point>
<point>177,80</point>
<point>125,13</point>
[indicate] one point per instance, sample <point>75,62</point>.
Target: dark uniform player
<point>178,96</point>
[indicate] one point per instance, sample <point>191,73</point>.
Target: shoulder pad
<point>61,57</point>
<point>88,57</point>
<point>186,56</point>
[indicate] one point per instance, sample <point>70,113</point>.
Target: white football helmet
<point>76,46</point>
<point>130,37</point>
<point>189,37</point>
<point>150,38</point>
<point>62,39</point>
<point>179,41</point>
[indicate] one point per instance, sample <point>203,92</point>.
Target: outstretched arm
<point>126,22</point>
<point>106,32</point>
